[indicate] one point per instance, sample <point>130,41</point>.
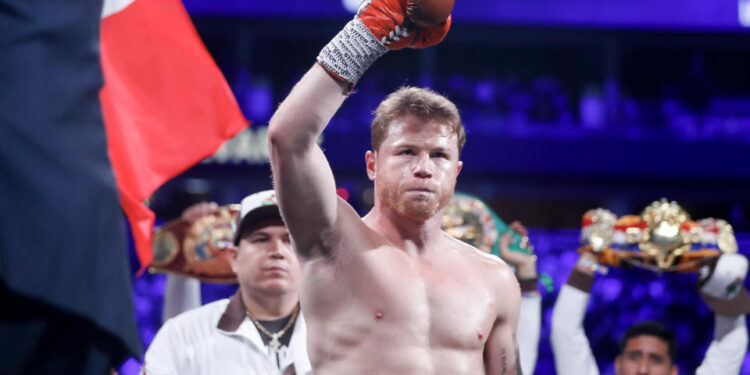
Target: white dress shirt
<point>219,338</point>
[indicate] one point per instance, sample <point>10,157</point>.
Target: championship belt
<point>198,249</point>
<point>662,238</point>
<point>469,219</point>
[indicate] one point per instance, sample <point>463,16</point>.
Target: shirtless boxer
<point>389,293</point>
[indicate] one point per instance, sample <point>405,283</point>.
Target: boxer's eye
<point>633,356</point>
<point>259,239</point>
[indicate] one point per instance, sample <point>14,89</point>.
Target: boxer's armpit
<point>322,245</point>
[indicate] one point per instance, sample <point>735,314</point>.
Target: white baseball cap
<point>254,208</point>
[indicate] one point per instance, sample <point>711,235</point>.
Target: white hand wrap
<point>351,51</point>
<point>725,282</point>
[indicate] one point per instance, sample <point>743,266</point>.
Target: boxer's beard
<point>412,208</point>
<point>417,210</point>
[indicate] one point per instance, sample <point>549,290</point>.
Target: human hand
<point>382,25</point>
<point>407,23</point>
<point>587,263</point>
<point>199,210</point>
<point>525,264</point>
<point>720,284</point>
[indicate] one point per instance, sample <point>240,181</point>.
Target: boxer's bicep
<point>501,349</point>
<point>302,177</point>
<point>501,354</point>
<point>307,198</point>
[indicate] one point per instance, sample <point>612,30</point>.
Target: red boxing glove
<point>393,23</point>
<point>380,26</point>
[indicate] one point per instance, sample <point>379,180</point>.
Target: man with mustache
<point>390,292</point>
<point>259,330</point>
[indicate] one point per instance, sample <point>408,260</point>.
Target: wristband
<point>348,55</point>
<point>528,286</point>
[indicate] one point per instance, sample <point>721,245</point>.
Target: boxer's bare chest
<point>442,298</point>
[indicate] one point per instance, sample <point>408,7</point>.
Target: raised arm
<point>302,177</point>
<point>570,345</point>
<point>530,320</point>
<point>184,293</point>
<point>180,294</point>
<point>721,288</point>
<point>501,350</point>
<point>728,347</point>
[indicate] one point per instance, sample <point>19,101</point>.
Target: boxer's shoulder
<point>491,268</point>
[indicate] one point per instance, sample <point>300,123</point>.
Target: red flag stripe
<point>166,104</point>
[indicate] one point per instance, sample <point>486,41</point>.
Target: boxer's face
<point>415,168</point>
<point>645,355</point>
<point>265,261</point>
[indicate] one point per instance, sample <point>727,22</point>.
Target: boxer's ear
<point>618,359</point>
<point>232,257</point>
<point>370,162</point>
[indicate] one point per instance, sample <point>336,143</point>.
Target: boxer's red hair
<point>420,102</point>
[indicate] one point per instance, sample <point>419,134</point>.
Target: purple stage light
<point>656,289</point>
<point>637,292</point>
<point>484,92</point>
<point>611,289</point>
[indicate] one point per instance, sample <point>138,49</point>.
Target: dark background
<point>568,106</point>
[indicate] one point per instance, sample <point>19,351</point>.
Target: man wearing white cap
<point>648,347</point>
<point>259,330</point>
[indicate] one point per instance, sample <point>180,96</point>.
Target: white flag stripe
<point>114,6</point>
